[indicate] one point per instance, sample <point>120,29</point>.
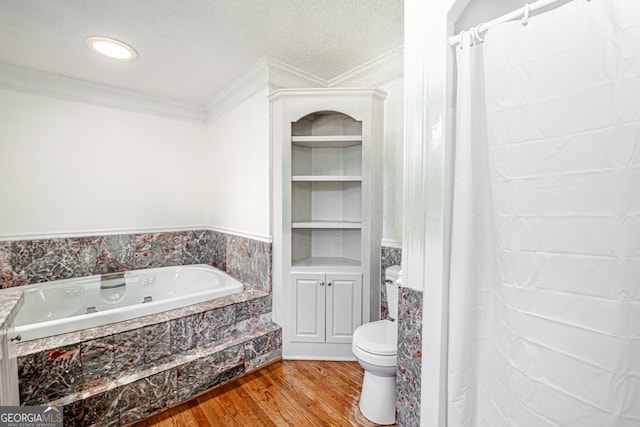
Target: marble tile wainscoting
<point>409,371</point>
<point>23,262</point>
<point>123,372</point>
<point>408,376</point>
<point>245,259</point>
<point>388,256</point>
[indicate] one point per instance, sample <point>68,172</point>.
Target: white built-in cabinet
<point>327,191</point>
<point>328,306</point>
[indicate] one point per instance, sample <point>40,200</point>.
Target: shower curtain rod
<point>516,14</point>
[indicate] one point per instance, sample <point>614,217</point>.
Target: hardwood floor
<point>287,393</point>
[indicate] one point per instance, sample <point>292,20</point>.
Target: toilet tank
<point>391,276</point>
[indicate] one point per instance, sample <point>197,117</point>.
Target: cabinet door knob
<point>16,338</point>
<point>330,283</point>
<point>321,283</point>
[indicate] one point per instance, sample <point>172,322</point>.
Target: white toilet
<point>375,346</point>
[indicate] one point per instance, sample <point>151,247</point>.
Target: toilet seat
<point>378,338</point>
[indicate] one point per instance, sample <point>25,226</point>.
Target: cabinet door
<point>344,306</point>
<point>308,311</point>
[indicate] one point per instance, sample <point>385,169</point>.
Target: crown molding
<point>268,73</point>
<point>373,73</point>
<point>283,75</point>
<point>248,83</point>
<point>332,92</point>
<point>35,82</point>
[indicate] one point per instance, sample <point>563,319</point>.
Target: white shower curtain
<point>544,326</point>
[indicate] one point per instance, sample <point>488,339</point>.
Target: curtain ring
<point>476,33</point>
<point>461,43</point>
<point>525,18</point>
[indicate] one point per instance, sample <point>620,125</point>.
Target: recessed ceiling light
<point>111,48</point>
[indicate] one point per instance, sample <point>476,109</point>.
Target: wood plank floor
<point>286,393</point>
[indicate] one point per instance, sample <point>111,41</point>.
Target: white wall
<point>387,74</point>
<point>69,167</point>
<point>238,167</point>
<point>428,120</point>
<point>393,162</point>
<point>73,168</point>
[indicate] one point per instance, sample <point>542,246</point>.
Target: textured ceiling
<point>189,50</point>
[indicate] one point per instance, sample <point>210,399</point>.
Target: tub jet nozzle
<point>112,280</point>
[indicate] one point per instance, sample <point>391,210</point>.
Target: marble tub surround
<point>45,260</point>
<point>24,262</point>
<point>409,370</point>
<point>120,373</point>
<point>248,303</point>
<point>177,248</point>
<point>10,303</point>
<point>244,259</point>
<point>388,257</point>
<point>6,272</point>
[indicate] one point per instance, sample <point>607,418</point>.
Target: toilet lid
<point>379,337</point>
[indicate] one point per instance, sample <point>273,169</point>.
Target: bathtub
<point>69,305</point>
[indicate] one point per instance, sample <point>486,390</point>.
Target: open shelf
<point>327,178</point>
<point>330,243</point>
<point>325,262</point>
<point>326,161</point>
<point>326,190</point>
<point>332,204</point>
<point>328,141</point>
<point>327,224</point>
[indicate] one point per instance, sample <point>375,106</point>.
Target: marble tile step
<point>197,372</point>
<point>261,334</point>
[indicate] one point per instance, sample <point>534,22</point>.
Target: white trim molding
<point>282,76</point>
<point>373,73</point>
<point>252,236</point>
<point>35,82</point>
<point>98,232</point>
<point>267,73</point>
<point>112,232</point>
<point>391,243</point>
<point>245,85</point>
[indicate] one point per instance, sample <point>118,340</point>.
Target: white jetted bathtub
<point>68,305</point>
